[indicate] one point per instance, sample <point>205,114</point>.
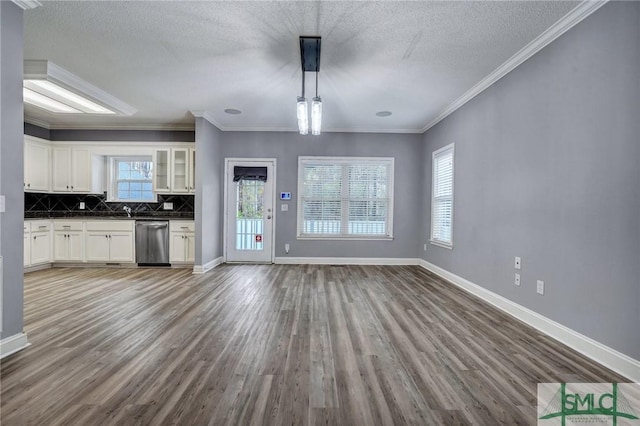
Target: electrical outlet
<point>425,247</point>
<point>540,288</point>
<point>286,248</point>
<point>518,263</point>
<point>167,206</point>
<point>517,280</point>
<point>82,205</point>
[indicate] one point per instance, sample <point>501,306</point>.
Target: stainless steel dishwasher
<point>152,242</point>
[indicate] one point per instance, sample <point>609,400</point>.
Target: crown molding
<point>330,130</point>
<point>207,116</point>
<point>27,4</point>
<point>568,21</point>
<point>201,113</point>
<point>37,122</point>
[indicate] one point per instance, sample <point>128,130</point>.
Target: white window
<point>345,198</point>
<point>131,179</point>
<point>442,197</point>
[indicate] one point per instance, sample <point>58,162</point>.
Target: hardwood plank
<point>274,344</point>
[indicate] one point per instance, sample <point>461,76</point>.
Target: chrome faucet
<point>128,210</point>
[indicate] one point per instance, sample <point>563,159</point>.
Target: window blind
<point>345,197</point>
<point>442,197</point>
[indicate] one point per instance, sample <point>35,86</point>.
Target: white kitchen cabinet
<point>174,170</point>
<point>72,170</point>
<point>162,170</point>
<point>26,245</point>
<point>180,170</point>
<point>68,241</point>
<point>121,246</point>
<point>110,241</point>
<point>40,239</point>
<point>182,241</point>
<point>37,169</point>
<point>97,246</point>
<point>192,170</point>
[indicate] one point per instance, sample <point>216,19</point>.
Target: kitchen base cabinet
<point>182,241</point>
<point>121,247</point>
<point>110,241</point>
<point>26,245</point>
<point>37,242</point>
<point>68,238</point>
<point>97,247</point>
<point>67,246</point>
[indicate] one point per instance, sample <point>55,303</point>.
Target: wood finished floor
<point>274,344</point>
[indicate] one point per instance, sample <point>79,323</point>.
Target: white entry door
<point>249,210</point>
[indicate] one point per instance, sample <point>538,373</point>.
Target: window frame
<point>113,178</point>
<point>388,161</point>
<point>434,155</point>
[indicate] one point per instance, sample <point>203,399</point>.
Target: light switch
<point>284,207</point>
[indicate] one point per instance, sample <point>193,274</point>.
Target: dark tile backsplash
<point>37,205</point>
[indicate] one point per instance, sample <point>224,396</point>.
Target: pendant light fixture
<point>310,61</point>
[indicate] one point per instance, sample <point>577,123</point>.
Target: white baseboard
<point>346,261</point>
<point>37,267</point>
<point>201,269</point>
<point>12,344</point>
<point>610,358</point>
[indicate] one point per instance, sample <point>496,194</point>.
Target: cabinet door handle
<point>28,185</point>
<point>67,186</point>
<point>106,236</point>
<point>167,187</point>
<point>71,186</point>
<point>34,237</point>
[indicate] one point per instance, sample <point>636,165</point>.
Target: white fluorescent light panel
<point>50,87</point>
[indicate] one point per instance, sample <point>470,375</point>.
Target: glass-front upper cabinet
<point>192,170</point>
<point>180,175</point>
<point>162,170</point>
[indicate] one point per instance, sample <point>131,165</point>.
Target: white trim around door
<point>270,163</point>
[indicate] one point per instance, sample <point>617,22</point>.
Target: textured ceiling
<point>167,58</point>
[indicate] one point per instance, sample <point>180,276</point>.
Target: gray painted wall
<point>11,166</point>
<point>547,168</point>
<point>286,147</point>
<point>82,135</point>
<point>37,131</point>
<point>209,192</point>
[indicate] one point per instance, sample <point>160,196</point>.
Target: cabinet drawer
<point>40,226</point>
<point>67,225</point>
<point>110,225</point>
<point>182,226</point>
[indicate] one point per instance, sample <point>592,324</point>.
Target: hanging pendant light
<point>303,116</point>
<point>310,61</point>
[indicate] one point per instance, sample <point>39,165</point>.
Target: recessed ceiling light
<point>233,111</point>
<point>55,89</point>
<point>383,113</point>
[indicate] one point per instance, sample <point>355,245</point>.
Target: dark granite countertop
<point>105,215</point>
